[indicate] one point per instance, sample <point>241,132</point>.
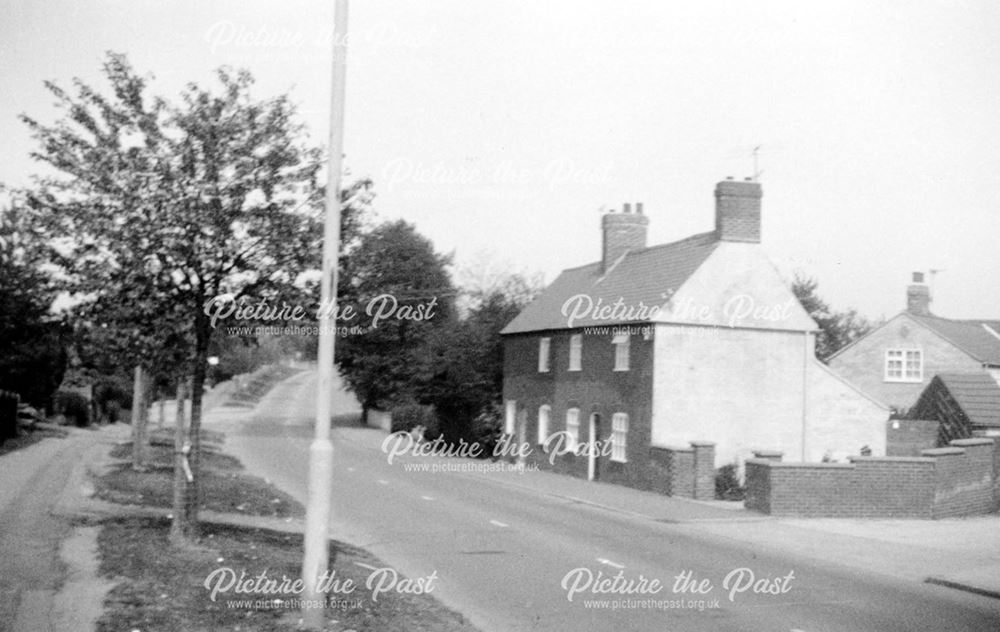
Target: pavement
<point>959,553</point>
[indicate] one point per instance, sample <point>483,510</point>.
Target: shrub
<point>112,395</point>
<point>727,483</point>
<point>72,405</point>
<point>487,428</point>
<point>408,416</point>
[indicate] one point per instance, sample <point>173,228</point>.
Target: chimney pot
<point>628,207</point>
<point>638,208</point>
<point>918,277</point>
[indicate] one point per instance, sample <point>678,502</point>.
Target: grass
<point>225,487</point>
<point>258,384</point>
<point>163,588</point>
<point>26,438</point>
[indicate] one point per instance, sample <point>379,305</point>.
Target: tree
<point>32,340</point>
<point>837,329</point>
<point>462,370</point>
<point>164,206</point>
<point>394,273</point>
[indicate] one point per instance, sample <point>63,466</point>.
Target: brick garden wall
<point>687,472</point>
<point>954,481</point>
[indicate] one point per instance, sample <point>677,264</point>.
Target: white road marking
<point>498,523</point>
<point>383,482</point>
<point>363,565</point>
<point>427,498</point>
<point>604,560</point>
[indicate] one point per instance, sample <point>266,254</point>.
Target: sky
<point>502,129</point>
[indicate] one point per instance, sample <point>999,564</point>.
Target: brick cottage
<point>897,360</point>
<point>676,359</point>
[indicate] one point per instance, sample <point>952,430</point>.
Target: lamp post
<point>317,539</point>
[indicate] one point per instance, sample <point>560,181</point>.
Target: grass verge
<point>26,438</point>
<point>160,587</point>
<point>163,588</point>
<point>225,486</point>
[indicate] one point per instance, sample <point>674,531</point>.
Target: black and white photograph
<point>472,316</point>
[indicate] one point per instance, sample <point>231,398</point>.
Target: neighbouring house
<point>897,360</point>
<point>962,404</point>
<point>652,354</point>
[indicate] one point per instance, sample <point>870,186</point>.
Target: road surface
<point>507,555</point>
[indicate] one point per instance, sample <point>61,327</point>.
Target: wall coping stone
<point>788,464</point>
<point>893,459</point>
<point>671,448</point>
<point>943,451</point>
<point>702,444</point>
<point>767,453</point>
<point>973,441</point>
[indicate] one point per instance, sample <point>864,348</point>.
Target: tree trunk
<point>203,334</point>
<point>179,527</point>
<point>140,417</point>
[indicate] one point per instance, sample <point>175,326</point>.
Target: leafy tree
<point>163,206</point>
<point>32,341</point>
<point>393,271</point>
<point>462,370</point>
<point>837,329</point>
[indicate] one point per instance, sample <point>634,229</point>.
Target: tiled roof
<point>968,335</point>
<point>644,277</point>
<point>977,393</point>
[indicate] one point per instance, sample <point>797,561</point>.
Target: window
<point>575,351</point>
<point>509,417</point>
<point>543,424</point>
<point>573,428</point>
<point>543,354</point>
<point>904,365</point>
<point>620,341</point>
<point>619,436</point>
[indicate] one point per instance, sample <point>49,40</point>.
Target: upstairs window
<point>619,436</point>
<point>543,424</point>
<point>573,428</point>
<point>544,345</point>
<point>575,352</point>
<point>621,343</point>
<point>904,365</point>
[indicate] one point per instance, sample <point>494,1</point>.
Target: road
<point>502,549</point>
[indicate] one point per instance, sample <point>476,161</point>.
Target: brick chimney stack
<point>622,232</point>
<point>737,210</point>
<point>918,296</point>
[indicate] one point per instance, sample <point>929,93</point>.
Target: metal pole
<point>317,543</point>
